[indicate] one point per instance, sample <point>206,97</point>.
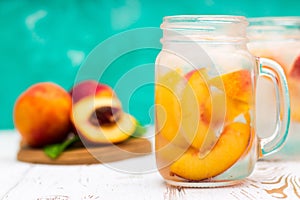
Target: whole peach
<point>41,114</point>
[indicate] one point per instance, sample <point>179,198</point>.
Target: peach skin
<point>42,114</point>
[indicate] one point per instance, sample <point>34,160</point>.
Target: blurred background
<point>50,40</point>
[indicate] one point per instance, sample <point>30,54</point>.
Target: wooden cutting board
<point>78,154</point>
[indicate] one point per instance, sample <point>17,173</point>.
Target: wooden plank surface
<point>271,180</point>
<point>130,148</point>
<point>31,181</point>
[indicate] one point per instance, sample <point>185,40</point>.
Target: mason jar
<point>205,88</point>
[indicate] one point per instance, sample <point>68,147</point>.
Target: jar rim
<point>205,28</point>
<point>176,21</point>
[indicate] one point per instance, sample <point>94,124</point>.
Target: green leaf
<point>140,130</point>
<point>54,150</point>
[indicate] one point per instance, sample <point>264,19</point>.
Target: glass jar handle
<point>272,70</point>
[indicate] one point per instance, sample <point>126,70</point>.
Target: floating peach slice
<point>231,145</point>
<point>196,108</point>
<point>237,85</point>
<point>168,108</point>
<point>236,108</point>
<point>201,72</point>
<point>233,108</point>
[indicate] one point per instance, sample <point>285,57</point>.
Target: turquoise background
<point>49,40</point>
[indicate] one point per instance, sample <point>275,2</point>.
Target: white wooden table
<point>271,180</point>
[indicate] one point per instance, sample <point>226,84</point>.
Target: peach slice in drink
<point>168,108</point>
<point>237,85</point>
<point>238,89</point>
<point>196,106</point>
<point>231,145</point>
<point>206,111</point>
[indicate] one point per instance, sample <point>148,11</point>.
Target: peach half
<point>231,145</point>
<point>101,120</point>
